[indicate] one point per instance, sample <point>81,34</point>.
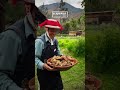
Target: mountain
<point>73,11</point>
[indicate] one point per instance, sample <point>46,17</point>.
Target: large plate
<point>62,68</point>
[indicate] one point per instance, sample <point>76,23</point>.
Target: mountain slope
<point>73,12</point>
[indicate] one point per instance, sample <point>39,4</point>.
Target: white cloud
<point>75,3</point>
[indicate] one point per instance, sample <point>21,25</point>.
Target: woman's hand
<point>47,67</point>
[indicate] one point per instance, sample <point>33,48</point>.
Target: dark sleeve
<point>10,48</point>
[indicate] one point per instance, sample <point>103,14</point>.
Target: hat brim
<point>49,26</point>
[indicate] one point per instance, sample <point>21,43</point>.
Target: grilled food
<point>61,61</point>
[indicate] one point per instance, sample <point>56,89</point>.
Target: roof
<point>99,12</point>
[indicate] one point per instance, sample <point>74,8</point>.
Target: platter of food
<point>62,62</point>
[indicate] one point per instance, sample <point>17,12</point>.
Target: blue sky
<point>75,3</point>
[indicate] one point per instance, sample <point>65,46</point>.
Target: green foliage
<point>101,5</point>
<point>61,6</point>
<point>118,8</point>
<point>74,45</point>
<point>40,31</point>
<point>103,46</point>
<point>67,27</point>
<point>81,22</point>
<point>81,19</point>
<point>74,24</point>
<point>73,79</point>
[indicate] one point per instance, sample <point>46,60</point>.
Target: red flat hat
<point>51,23</point>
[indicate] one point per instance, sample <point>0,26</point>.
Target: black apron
<point>49,80</point>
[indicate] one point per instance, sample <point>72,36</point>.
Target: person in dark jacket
<point>46,46</point>
<point>17,50</point>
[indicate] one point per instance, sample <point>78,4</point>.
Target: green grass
<point>74,45</point>
<point>102,54</point>
<point>73,79</point>
<point>110,80</point>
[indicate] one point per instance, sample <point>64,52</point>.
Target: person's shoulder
<point>18,22</point>
<point>10,34</point>
<point>39,40</point>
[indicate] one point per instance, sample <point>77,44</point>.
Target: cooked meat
<point>61,61</point>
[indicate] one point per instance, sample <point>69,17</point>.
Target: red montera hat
<point>51,23</point>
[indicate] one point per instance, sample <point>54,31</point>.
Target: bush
<point>80,47</point>
<point>40,31</point>
<point>76,46</point>
<point>103,47</point>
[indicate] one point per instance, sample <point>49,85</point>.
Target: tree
<point>82,19</point>
<point>67,27</point>
<point>62,8</point>
<point>74,24</point>
<point>100,5</point>
<point>61,5</point>
<point>44,9</point>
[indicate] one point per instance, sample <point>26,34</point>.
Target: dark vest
<point>25,67</point>
<point>48,48</point>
